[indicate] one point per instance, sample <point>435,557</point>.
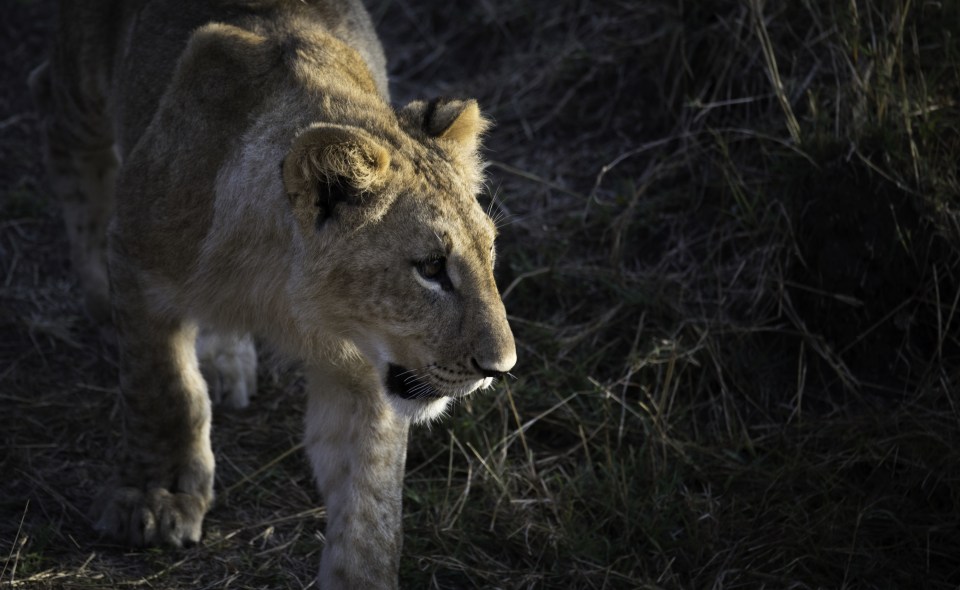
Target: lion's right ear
<point>338,171</point>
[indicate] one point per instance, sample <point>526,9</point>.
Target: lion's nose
<point>495,370</point>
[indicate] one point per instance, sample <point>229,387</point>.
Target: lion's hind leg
<point>81,168</point>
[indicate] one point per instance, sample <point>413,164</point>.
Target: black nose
<point>486,372</point>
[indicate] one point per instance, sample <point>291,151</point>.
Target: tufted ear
<point>339,171</point>
<point>457,122</point>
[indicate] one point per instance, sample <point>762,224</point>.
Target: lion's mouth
<point>403,382</point>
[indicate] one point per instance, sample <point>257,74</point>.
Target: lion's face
<point>412,281</point>
<point>432,312</point>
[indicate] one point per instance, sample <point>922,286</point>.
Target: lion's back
<point>126,52</point>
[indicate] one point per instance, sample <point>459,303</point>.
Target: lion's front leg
<point>165,481</point>
<point>357,446</point>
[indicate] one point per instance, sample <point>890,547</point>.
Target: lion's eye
<point>435,269</point>
<point>432,268</point>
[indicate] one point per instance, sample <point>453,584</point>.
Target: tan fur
<point>268,186</point>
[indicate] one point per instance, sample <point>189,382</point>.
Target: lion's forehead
<point>438,196</point>
<point>458,220</point>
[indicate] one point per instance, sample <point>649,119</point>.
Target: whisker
<point>412,378</point>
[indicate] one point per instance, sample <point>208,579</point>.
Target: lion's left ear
<point>458,123</point>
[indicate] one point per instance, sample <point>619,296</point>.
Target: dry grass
<point>730,258</point>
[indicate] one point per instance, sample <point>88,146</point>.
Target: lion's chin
<point>410,397</point>
<point>419,411</point>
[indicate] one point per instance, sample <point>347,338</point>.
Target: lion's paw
<point>154,517</point>
<point>229,366</point>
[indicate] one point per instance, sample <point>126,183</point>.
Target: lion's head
<point>400,253</point>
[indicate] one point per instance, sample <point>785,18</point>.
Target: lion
<point>235,167</point>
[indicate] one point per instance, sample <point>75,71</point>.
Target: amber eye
<point>435,269</point>
<point>432,268</point>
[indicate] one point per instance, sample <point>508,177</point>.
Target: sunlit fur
<point>267,186</point>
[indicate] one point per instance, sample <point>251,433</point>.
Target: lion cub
<point>267,186</point>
